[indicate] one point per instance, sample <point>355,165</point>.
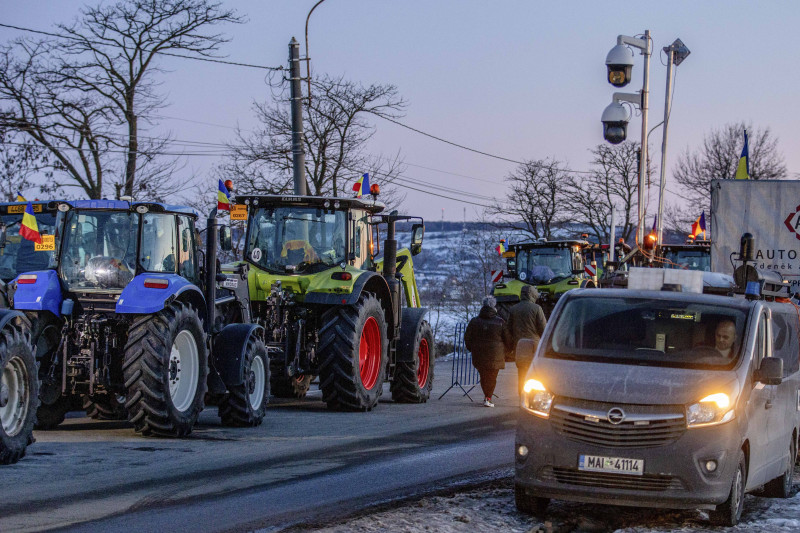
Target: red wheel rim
<point>369,353</point>
<point>424,356</point>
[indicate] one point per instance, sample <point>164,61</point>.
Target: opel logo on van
<point>615,415</point>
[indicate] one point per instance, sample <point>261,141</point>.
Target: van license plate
<point>616,465</point>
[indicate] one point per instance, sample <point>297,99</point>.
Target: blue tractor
<point>140,322</point>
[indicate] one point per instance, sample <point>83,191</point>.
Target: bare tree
<point>20,159</point>
<point>536,202</point>
<point>614,181</point>
<point>110,51</point>
<point>718,158</point>
<point>337,130</point>
<point>72,127</point>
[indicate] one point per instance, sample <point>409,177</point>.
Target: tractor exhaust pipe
<point>211,268</point>
<point>390,269</point>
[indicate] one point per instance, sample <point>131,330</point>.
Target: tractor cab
<point>692,255</point>
<point>18,254</point>
<point>307,235</point>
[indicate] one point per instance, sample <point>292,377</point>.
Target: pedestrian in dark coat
<point>525,321</point>
<point>485,338</point>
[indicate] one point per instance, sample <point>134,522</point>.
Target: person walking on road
<point>485,338</point>
<point>525,321</point>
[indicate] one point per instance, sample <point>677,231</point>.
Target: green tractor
<point>554,267</point>
<point>329,308</point>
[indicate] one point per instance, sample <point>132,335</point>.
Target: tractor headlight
<point>536,398</point>
<point>710,411</point>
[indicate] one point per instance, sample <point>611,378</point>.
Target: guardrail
<point>463,373</point>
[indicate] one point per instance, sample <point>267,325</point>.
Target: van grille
<point>646,482</point>
<point>644,426</point>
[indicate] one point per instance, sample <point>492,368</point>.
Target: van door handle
<point>768,405</point>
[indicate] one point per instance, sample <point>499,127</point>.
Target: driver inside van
<point>724,337</point>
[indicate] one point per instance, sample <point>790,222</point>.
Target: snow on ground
<point>491,508</point>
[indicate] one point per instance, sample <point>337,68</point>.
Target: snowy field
<point>490,507</point>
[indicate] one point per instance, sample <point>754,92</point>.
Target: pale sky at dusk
<point>520,79</point>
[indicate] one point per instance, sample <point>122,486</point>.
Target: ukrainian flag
<point>223,197</point>
<point>29,228</point>
<point>361,186</point>
<point>20,198</point>
<point>743,169</point>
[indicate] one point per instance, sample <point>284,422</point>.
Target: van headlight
<point>711,410</point>
<point>536,398</point>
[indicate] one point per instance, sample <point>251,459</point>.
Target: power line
<point>479,151</point>
<point>98,43</point>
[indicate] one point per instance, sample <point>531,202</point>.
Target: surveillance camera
<point>615,123</point>
<point>619,62</point>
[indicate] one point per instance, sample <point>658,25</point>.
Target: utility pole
<point>298,155</point>
<point>676,53</point>
<point>643,163</point>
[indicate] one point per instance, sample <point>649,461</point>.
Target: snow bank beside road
<point>491,508</point>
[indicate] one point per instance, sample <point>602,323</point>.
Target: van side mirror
<point>417,233</point>
<point>225,238</point>
<point>771,371</point>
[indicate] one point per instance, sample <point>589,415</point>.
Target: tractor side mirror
<point>577,264</point>
<point>375,244</point>
<point>417,233</point>
<point>2,235</point>
<point>186,237</point>
<point>225,238</point>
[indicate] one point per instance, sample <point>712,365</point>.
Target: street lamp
<point>619,63</point>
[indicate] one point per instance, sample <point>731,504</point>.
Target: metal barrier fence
<point>463,373</point>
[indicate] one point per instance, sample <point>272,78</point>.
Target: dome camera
<point>619,62</point>
<point>615,123</point>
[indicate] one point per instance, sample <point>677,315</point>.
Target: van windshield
<point>642,331</point>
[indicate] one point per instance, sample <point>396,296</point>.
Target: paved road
<point>304,462</point>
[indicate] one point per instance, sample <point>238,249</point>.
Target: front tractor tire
<point>245,404</point>
<point>291,387</point>
<point>413,380</point>
<point>165,371</point>
<point>19,394</point>
<point>105,406</point>
<point>354,348</point>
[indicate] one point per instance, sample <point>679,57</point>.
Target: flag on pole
<point>743,169</point>
<point>361,187</point>
<point>501,248</point>
<point>699,225</point>
<point>223,197</point>
<point>20,198</point>
<point>29,229</point>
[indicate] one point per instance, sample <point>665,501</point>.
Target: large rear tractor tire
<point>46,337</point>
<point>19,394</point>
<point>105,406</point>
<point>413,380</point>
<point>354,348</point>
<point>165,370</point>
<point>246,404</point>
<point>291,387</point>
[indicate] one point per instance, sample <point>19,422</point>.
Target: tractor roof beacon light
<point>619,62</point>
<point>650,240</point>
<point>375,190</point>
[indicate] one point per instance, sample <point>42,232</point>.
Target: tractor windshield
<point>18,255</point>
<point>688,259</point>
<point>289,239</point>
<point>99,249</point>
<point>544,265</point>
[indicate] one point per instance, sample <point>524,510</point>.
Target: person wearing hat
<point>525,321</point>
<point>485,338</point>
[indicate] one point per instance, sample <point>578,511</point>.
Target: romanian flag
<point>361,186</point>
<point>743,169</point>
<point>699,225</point>
<point>223,197</point>
<point>29,228</point>
<point>502,247</point>
<point>20,198</point>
